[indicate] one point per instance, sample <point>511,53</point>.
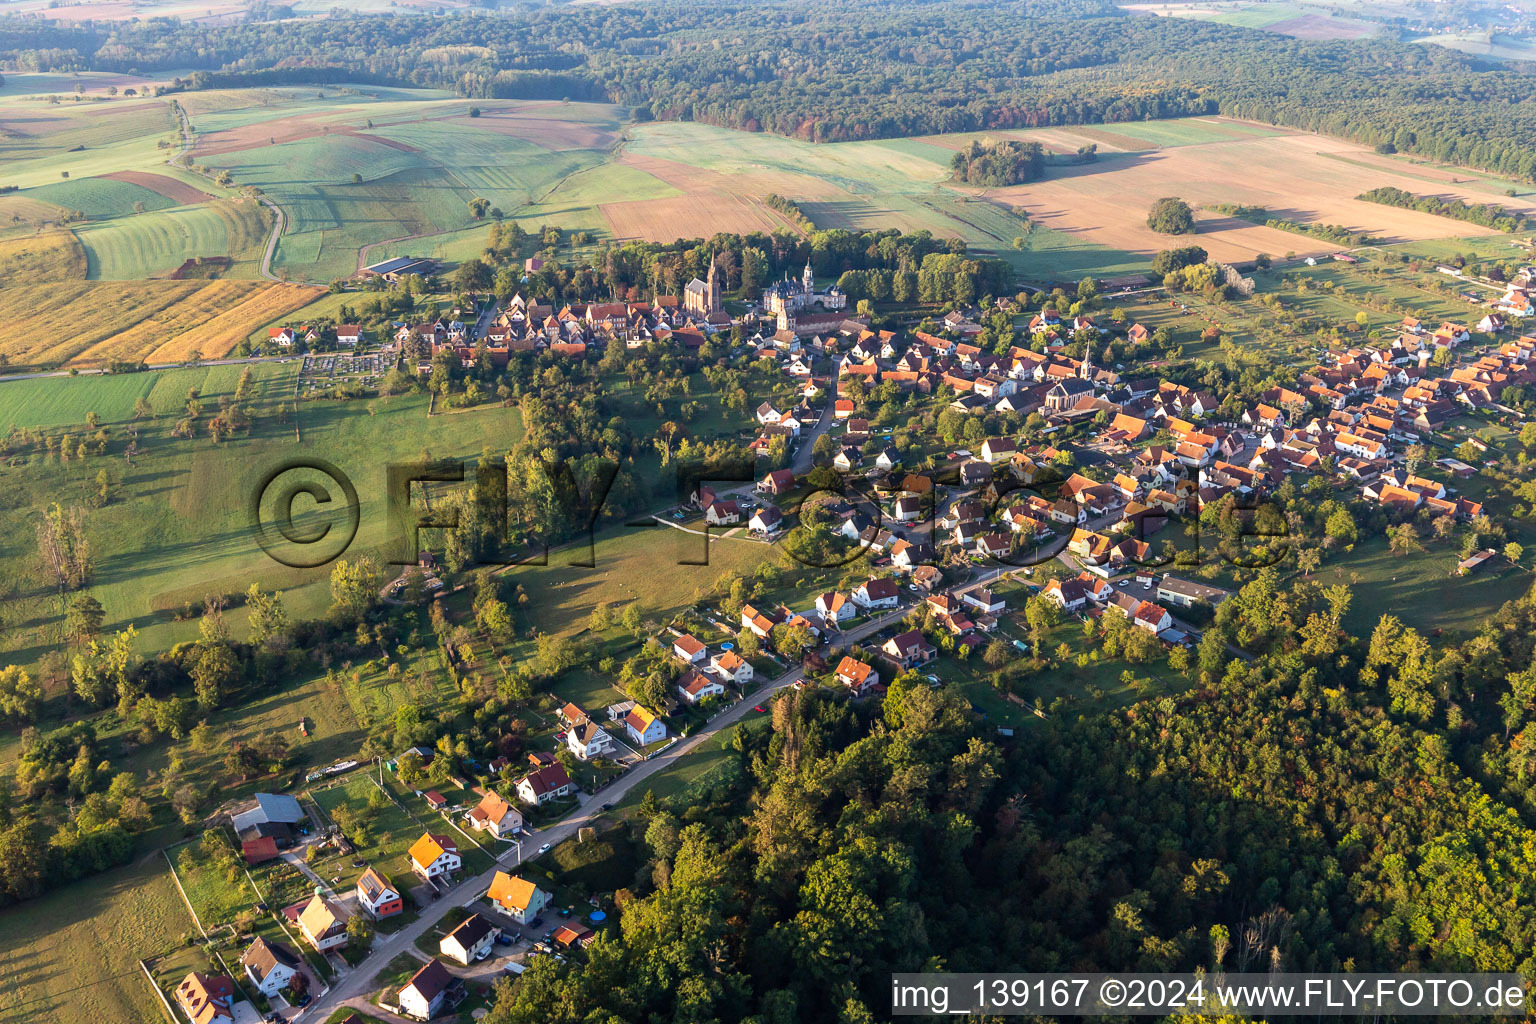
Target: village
<point>1090,502</point>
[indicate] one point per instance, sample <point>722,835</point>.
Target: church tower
<point>808,282</point>
<point>712,287</point>
<point>1085,369</point>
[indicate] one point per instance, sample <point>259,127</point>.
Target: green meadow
<point>177,529</point>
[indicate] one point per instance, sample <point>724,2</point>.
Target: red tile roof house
<point>780,481</point>
<point>856,675</point>
<point>548,783</point>
<point>206,998</point>
<point>689,650</point>
<point>909,649</point>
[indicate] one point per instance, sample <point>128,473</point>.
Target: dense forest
<point>1336,803</point>
<point>866,69</point>
<point>998,164</point>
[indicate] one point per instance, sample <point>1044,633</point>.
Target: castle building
<point>785,298</point>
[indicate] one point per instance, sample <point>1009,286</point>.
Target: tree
<point>63,547</point>
<point>792,641</point>
<point>214,674</point>
<point>359,932</point>
<point>20,697</point>
<point>1171,216</point>
<point>996,654</point>
<point>1340,527</point>
<point>354,588</point>
<point>267,618</point>
<point>83,617</point>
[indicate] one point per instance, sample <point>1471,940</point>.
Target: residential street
<point>359,981</point>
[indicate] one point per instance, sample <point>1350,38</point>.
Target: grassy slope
<point>180,532</point>
<point>118,918</point>
<point>157,242</point>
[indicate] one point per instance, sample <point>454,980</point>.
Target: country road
<point>280,220</point>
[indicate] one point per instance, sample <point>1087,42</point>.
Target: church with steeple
<point>701,298</point>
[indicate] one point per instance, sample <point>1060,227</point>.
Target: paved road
<point>359,981</point>
<point>280,221</point>
<point>483,321</point>
<point>148,366</point>
<point>802,461</point>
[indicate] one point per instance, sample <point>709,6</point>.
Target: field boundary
<point>164,1003</point>
<point>165,852</point>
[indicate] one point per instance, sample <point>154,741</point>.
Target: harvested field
<point>1107,139</point>
<point>50,256</point>
<point>1304,178</point>
<point>663,220</point>
<point>292,128</point>
<point>174,189</point>
<point>1322,26</point>
<point>218,336</point>
<point>547,133</point>
<point>163,320</point>
<point>17,210</point>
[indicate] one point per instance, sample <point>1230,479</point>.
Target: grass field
<point>179,532</point>
<point>73,955</point>
<point>157,243</point>
<point>630,565</point>
<point>1423,590</point>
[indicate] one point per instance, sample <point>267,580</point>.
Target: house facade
<point>377,896</point>
<point>435,856</point>
<point>516,897</point>
<point>470,941</point>
<point>269,966</point>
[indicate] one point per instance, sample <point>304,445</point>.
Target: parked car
<point>505,939</point>
<point>544,848</point>
<point>537,922</point>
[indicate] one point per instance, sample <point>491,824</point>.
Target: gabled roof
<point>492,808</point>
<point>261,956</point>
<point>511,891</point>
<point>320,917</point>
<point>373,884</point>
<point>431,980</point>
<point>547,779</point>
<point>426,850</point>
<point>471,931</point>
<point>205,997</point>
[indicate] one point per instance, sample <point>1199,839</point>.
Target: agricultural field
<point>157,321</point>
<point>155,244</point>
<point>1302,19</point>
<point>118,917</point>
<point>364,173</point>
<point>1304,178</point>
